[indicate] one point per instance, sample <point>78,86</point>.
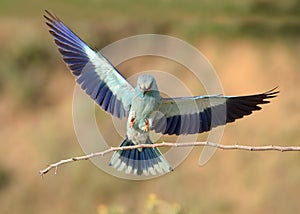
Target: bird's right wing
<point>93,72</point>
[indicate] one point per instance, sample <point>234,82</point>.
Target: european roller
<point>143,105</point>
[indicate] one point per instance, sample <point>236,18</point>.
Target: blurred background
<point>253,45</point>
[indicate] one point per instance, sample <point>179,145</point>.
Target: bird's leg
<point>131,119</point>
<point>146,127</point>
<point>131,122</point>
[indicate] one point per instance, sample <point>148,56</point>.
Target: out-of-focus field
<point>253,45</point>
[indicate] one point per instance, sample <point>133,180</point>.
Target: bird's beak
<point>143,90</point>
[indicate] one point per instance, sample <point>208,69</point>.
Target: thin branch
<point>165,144</point>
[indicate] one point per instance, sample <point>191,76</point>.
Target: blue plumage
<point>110,90</point>
<point>146,161</point>
<point>80,59</point>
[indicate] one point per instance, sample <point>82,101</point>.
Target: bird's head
<point>146,83</point>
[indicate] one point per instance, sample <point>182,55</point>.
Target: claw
<point>132,121</point>
<point>146,127</point>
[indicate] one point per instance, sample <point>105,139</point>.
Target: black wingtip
<point>272,93</point>
<point>51,17</point>
<point>273,90</point>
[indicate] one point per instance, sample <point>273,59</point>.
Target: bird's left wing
<point>191,115</point>
<point>93,72</point>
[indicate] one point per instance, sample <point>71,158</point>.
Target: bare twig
<point>165,144</point>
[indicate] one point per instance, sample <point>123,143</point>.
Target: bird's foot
<point>131,122</point>
<point>146,127</point>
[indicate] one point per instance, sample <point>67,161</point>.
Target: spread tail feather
<point>139,161</point>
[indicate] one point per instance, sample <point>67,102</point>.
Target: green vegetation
<point>192,20</point>
<point>152,205</point>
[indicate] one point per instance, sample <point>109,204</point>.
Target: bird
<point>143,106</point>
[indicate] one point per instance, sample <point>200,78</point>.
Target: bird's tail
<point>139,161</point>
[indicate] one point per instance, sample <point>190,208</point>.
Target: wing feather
<point>191,115</point>
<point>93,72</point>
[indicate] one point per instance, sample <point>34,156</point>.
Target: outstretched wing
<point>93,72</point>
<point>191,115</point>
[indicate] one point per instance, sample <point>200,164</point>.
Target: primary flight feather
<point>143,106</point>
